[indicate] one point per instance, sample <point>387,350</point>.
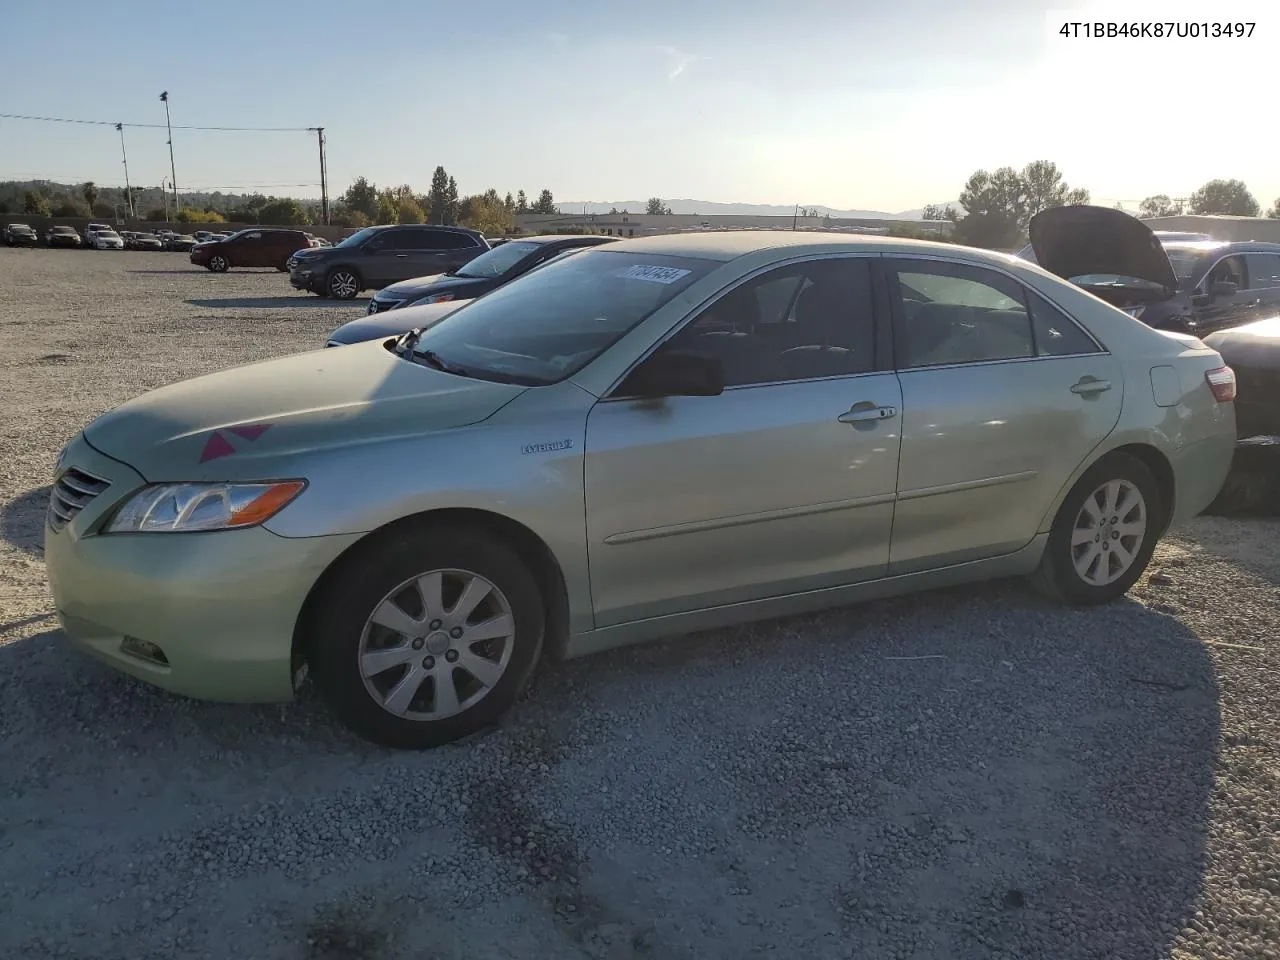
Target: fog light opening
<point>143,650</point>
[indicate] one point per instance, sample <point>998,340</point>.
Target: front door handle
<point>1087,386</point>
<point>867,413</point>
<point>402,256</point>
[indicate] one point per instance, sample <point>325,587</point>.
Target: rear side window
<point>1264,270</point>
<point>956,313</point>
<point>449,240</point>
<point>1057,335</point>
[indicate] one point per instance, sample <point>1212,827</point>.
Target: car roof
<point>1222,246</point>
<point>560,238</point>
<point>731,244</point>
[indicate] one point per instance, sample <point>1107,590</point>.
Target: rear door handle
<point>1087,386</point>
<point>866,414</point>
<point>402,256</point>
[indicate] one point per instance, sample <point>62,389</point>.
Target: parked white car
<point>104,238</point>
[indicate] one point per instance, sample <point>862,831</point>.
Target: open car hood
<point>1088,241</point>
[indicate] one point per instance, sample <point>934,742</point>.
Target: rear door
<point>1264,278</point>
<point>1003,396</point>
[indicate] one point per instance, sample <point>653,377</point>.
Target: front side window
<point>957,313</point>
<point>1264,270</point>
<point>548,324</point>
<point>802,321</point>
<point>1229,270</point>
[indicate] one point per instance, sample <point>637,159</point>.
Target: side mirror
<point>1224,288</point>
<point>675,374</point>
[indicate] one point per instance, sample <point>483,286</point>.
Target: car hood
<point>256,420</point>
<point>392,323</point>
<point>438,283</point>
<point>1254,344</point>
<point>1077,241</point>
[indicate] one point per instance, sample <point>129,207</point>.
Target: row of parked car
<point>101,236</point>
<point>629,439</point>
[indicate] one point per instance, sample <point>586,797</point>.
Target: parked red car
<point>255,247</point>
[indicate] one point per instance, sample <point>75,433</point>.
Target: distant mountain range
<point>712,208</point>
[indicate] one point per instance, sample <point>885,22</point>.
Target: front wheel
<point>427,636</point>
<point>219,264</point>
<point>1104,534</point>
<point>342,284</point>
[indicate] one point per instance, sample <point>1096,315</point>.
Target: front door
<point>1217,309</point>
<point>784,482</point>
<point>1003,396</point>
<point>248,249</point>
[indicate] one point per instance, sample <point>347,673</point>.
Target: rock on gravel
<point>965,774</point>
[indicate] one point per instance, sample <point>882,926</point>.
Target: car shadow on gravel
<point>967,773</point>
<point>22,521</point>
<point>272,303</point>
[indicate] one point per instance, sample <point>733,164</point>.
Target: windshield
<point>20,228</point>
<point>63,230</point>
<point>550,323</point>
<point>1185,264</point>
<point>358,237</point>
<point>497,261</point>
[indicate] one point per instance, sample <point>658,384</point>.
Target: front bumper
<point>221,606</point>
<point>304,278</point>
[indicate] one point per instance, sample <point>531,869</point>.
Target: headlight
<point>436,298</point>
<point>185,507</point>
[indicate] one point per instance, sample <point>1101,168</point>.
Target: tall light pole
<point>164,191</point>
<point>164,98</point>
<point>128,192</point>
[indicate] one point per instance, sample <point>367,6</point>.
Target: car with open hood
<point>1194,286</point>
<point>394,323</point>
<point>488,271</point>
<point>376,257</point>
<point>647,438</point>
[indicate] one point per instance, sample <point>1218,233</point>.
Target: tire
<point>392,702</point>
<point>219,263</point>
<point>1093,570</point>
<point>342,283</point>
<point>281,269</point>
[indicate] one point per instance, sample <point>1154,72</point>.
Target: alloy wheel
<point>436,645</point>
<point>1108,532</point>
<point>343,285</point>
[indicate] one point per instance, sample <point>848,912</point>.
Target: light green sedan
<point>650,438</point>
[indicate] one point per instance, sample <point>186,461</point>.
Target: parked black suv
<point>377,257</point>
<point>1190,286</point>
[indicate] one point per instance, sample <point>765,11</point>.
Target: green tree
<point>994,209</point>
<point>90,193</point>
<point>487,214</point>
<point>361,196</point>
<point>546,203</point>
<point>451,202</point>
<point>350,218</point>
<point>1158,205</point>
<point>522,203</point>
<point>193,215</point>
<point>656,208</point>
<point>70,207</point>
<point>509,202</point>
<point>408,210</point>
<point>388,208</point>
<point>1042,188</point>
<point>438,196</point>
<point>1274,212</point>
<point>1229,197</point>
<point>156,215</point>
<point>283,212</point>
<point>35,204</point>
<point>933,211</point>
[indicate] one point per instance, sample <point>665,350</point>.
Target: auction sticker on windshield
<point>641,271</point>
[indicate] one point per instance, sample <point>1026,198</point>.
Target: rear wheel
<point>427,636</point>
<point>1104,534</point>
<point>342,284</point>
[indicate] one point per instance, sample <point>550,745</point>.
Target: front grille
<point>382,306</point>
<point>72,492</point>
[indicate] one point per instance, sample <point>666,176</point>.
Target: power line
<point>157,126</point>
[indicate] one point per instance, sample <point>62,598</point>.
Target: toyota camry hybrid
<point>648,438</point>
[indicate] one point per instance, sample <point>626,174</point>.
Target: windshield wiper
<point>429,357</point>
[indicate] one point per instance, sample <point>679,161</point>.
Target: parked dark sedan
<point>143,241</point>
<point>376,326</point>
<point>20,235</point>
<point>180,242</point>
<point>1191,287</point>
<point>486,272</point>
<point>1252,350</point>
<point>60,235</point>
<point>378,256</point>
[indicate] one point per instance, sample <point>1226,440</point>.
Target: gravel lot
<point>966,774</point>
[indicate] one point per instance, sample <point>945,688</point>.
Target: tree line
<point>364,204</point>
<point>997,206</point>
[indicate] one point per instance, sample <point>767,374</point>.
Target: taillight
<point>1222,381</point>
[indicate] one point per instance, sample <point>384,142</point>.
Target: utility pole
<point>128,193</point>
<point>164,192</point>
<point>173,174</point>
<point>795,214</point>
<point>324,177</point>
